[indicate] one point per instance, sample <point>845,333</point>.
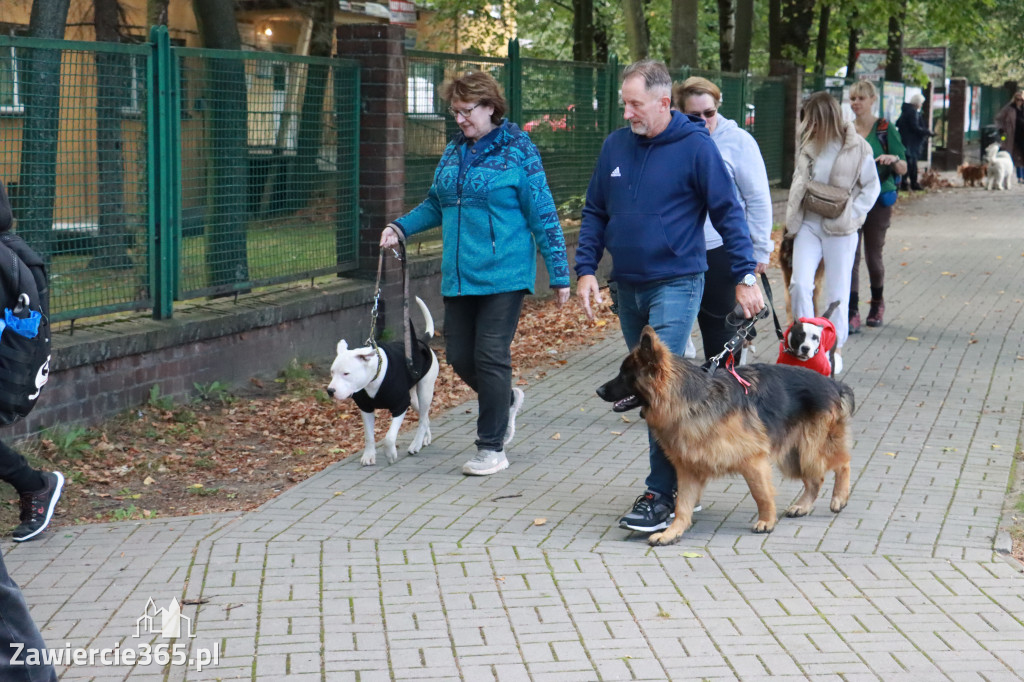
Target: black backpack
<point>24,323</point>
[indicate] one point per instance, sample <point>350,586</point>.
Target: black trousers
<point>16,627</point>
<point>14,469</point>
<point>478,332</point>
<point>911,169</point>
<point>718,301</point>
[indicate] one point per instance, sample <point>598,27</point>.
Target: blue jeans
<point>16,626</point>
<point>671,308</point>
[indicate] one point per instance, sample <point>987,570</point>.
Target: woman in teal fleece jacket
<point>492,200</point>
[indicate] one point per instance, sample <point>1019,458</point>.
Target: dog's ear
<point>342,346</point>
<point>651,349</point>
<point>366,356</point>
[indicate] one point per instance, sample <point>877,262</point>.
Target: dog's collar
<point>380,362</point>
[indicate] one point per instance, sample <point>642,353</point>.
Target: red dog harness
<point>820,362</point>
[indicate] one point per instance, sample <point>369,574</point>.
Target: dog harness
<point>393,394</point>
<point>820,363</point>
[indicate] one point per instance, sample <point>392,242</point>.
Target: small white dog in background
<point>1000,168</point>
<point>377,380</point>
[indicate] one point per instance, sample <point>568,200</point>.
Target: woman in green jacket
<point>891,162</point>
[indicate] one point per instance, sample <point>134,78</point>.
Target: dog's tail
<point>428,332</point>
<point>846,399</point>
<point>831,309</point>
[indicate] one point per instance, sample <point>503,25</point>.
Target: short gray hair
<point>654,73</point>
<point>917,99</point>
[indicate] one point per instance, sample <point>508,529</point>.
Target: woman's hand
<point>561,296</point>
<point>388,238</point>
<point>887,159</point>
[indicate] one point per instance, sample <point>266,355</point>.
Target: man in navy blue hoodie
<point>652,188</point>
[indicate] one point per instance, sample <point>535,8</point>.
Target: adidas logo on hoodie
<point>616,173</point>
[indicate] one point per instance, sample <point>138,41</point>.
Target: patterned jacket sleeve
<point>428,213</point>
<point>541,214</point>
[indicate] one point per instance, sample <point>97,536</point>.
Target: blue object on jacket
<point>647,202</point>
<point>493,216</point>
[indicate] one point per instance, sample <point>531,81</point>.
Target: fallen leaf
<point>539,522</point>
<point>616,433</point>
<point>193,602</point>
<point>891,454</point>
<point>692,555</point>
<point>557,436</point>
<point>912,338</point>
<point>626,419</point>
<point>149,480</point>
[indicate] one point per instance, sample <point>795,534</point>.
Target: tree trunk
<point>637,33</point>
<point>726,34</point>
<point>774,27</point>
<point>744,35</point>
<point>894,51</point>
<point>226,126</point>
<point>684,33</point>
<point>156,12</point>
<point>311,118</point>
<point>113,90</point>
<point>40,84</point>
<point>853,44</point>
<point>822,52</point>
<point>583,30</point>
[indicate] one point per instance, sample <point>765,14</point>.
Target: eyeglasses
<point>707,113</point>
<point>464,113</point>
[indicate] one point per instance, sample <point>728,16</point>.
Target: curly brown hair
<point>477,87</point>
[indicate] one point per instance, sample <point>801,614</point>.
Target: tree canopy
<point>985,37</point>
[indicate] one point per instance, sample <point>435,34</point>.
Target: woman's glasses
<point>706,114</point>
<point>464,113</point>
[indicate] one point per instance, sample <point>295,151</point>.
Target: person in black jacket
<point>914,133</point>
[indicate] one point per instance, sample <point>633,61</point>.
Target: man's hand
<point>561,296</point>
<point>388,238</point>
<point>586,286</point>
<point>749,298</point>
<point>761,269</point>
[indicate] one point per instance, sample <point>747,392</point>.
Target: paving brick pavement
<point>414,572</point>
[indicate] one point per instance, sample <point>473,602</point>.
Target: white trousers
<point>809,248</point>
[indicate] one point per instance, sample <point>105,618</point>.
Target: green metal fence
<point>568,108</point>
<point>269,154</point>
<point>151,173</point>
<point>74,156</point>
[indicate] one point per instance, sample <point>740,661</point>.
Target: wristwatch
<point>749,280</point>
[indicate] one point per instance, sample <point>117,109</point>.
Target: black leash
<point>746,328</point>
<point>406,322</point>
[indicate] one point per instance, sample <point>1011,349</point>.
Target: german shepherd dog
<point>710,425</point>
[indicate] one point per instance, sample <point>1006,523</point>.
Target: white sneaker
<point>485,463</point>
<point>517,403</point>
<point>838,367</point>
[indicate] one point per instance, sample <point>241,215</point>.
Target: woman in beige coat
<point>831,152</point>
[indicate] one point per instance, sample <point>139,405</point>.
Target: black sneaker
<point>650,512</point>
<point>37,508</point>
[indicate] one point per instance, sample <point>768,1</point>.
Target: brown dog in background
<point>786,264</point>
<point>972,174</point>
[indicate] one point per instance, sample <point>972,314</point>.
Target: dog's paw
<point>391,452</point>
<point>763,526</point>
<point>369,458</point>
<point>837,506</point>
<point>796,510</point>
<point>664,538</point>
<point>419,442</point>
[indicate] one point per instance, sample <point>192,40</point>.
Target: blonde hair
<point>695,86</point>
<point>821,121</point>
<point>864,89</point>
<point>479,88</point>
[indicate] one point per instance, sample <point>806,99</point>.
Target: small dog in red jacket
<point>810,342</point>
